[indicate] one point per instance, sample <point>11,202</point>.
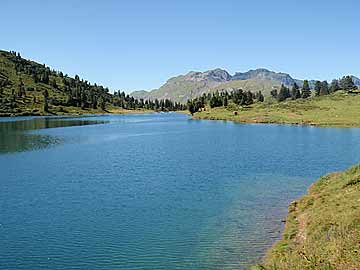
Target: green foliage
<point>219,99</point>
<point>305,90</point>
<point>317,88</point>
<point>324,89</point>
<point>259,97</point>
<point>23,81</point>
<point>334,86</point>
<point>284,93</point>
<point>295,92</point>
<point>346,83</point>
<point>338,109</point>
<point>274,93</point>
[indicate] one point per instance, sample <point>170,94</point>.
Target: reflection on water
<point>21,135</point>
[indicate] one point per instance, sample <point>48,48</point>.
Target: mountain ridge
<point>195,83</point>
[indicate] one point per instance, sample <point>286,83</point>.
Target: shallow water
<point>153,191</point>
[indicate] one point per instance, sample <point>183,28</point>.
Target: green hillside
<point>30,88</point>
<point>24,85</point>
<point>322,229</point>
<point>339,109</point>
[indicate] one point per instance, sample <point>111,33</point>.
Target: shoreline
<point>338,109</point>
<point>311,124</point>
<point>322,228</point>
<point>81,113</point>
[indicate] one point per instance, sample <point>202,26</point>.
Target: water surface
<point>153,191</point>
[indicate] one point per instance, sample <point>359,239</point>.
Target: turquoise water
<point>154,191</point>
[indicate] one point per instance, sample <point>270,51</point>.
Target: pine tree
<point>260,97</point>
<point>324,89</point>
<point>295,91</point>
<point>225,103</point>
<point>334,86</point>
<point>347,83</point>
<point>305,91</point>
<point>248,98</point>
<point>46,102</point>
<point>284,93</point>
<point>191,107</point>
<point>317,88</point>
<point>274,93</point>
<point>102,103</point>
<point>238,97</point>
<point>21,89</point>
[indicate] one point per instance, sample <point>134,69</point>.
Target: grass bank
<point>339,109</point>
<point>322,229</point>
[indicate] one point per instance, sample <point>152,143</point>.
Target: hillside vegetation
<point>322,230</point>
<point>30,88</point>
<point>339,109</point>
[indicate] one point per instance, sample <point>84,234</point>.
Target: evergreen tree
<point>324,89</point>
<point>191,107</point>
<point>317,88</point>
<point>21,89</point>
<point>260,97</point>
<point>334,86</point>
<point>274,93</point>
<point>102,103</point>
<point>248,100</point>
<point>46,102</point>
<point>238,97</point>
<point>284,93</point>
<point>347,83</point>
<point>225,103</point>
<point>305,91</point>
<point>295,91</point>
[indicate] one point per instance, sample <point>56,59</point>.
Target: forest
<point>32,87</point>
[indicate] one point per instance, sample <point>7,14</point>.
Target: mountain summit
<point>195,83</point>
<point>215,75</point>
<point>265,74</point>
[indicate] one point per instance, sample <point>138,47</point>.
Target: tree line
<point>222,98</point>
<point>78,92</point>
<point>320,89</point>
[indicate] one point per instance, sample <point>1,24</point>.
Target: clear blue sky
<point>133,45</point>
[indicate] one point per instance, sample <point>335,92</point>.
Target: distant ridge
<point>194,83</point>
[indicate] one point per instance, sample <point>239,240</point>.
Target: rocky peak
<point>215,75</point>
<point>264,74</point>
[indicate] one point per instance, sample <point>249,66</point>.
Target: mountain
<point>264,74</point>
<point>356,81</point>
<point>183,87</point>
<point>193,84</point>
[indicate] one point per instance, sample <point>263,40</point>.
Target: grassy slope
<point>26,105</point>
<point>322,229</point>
<point>339,109</point>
